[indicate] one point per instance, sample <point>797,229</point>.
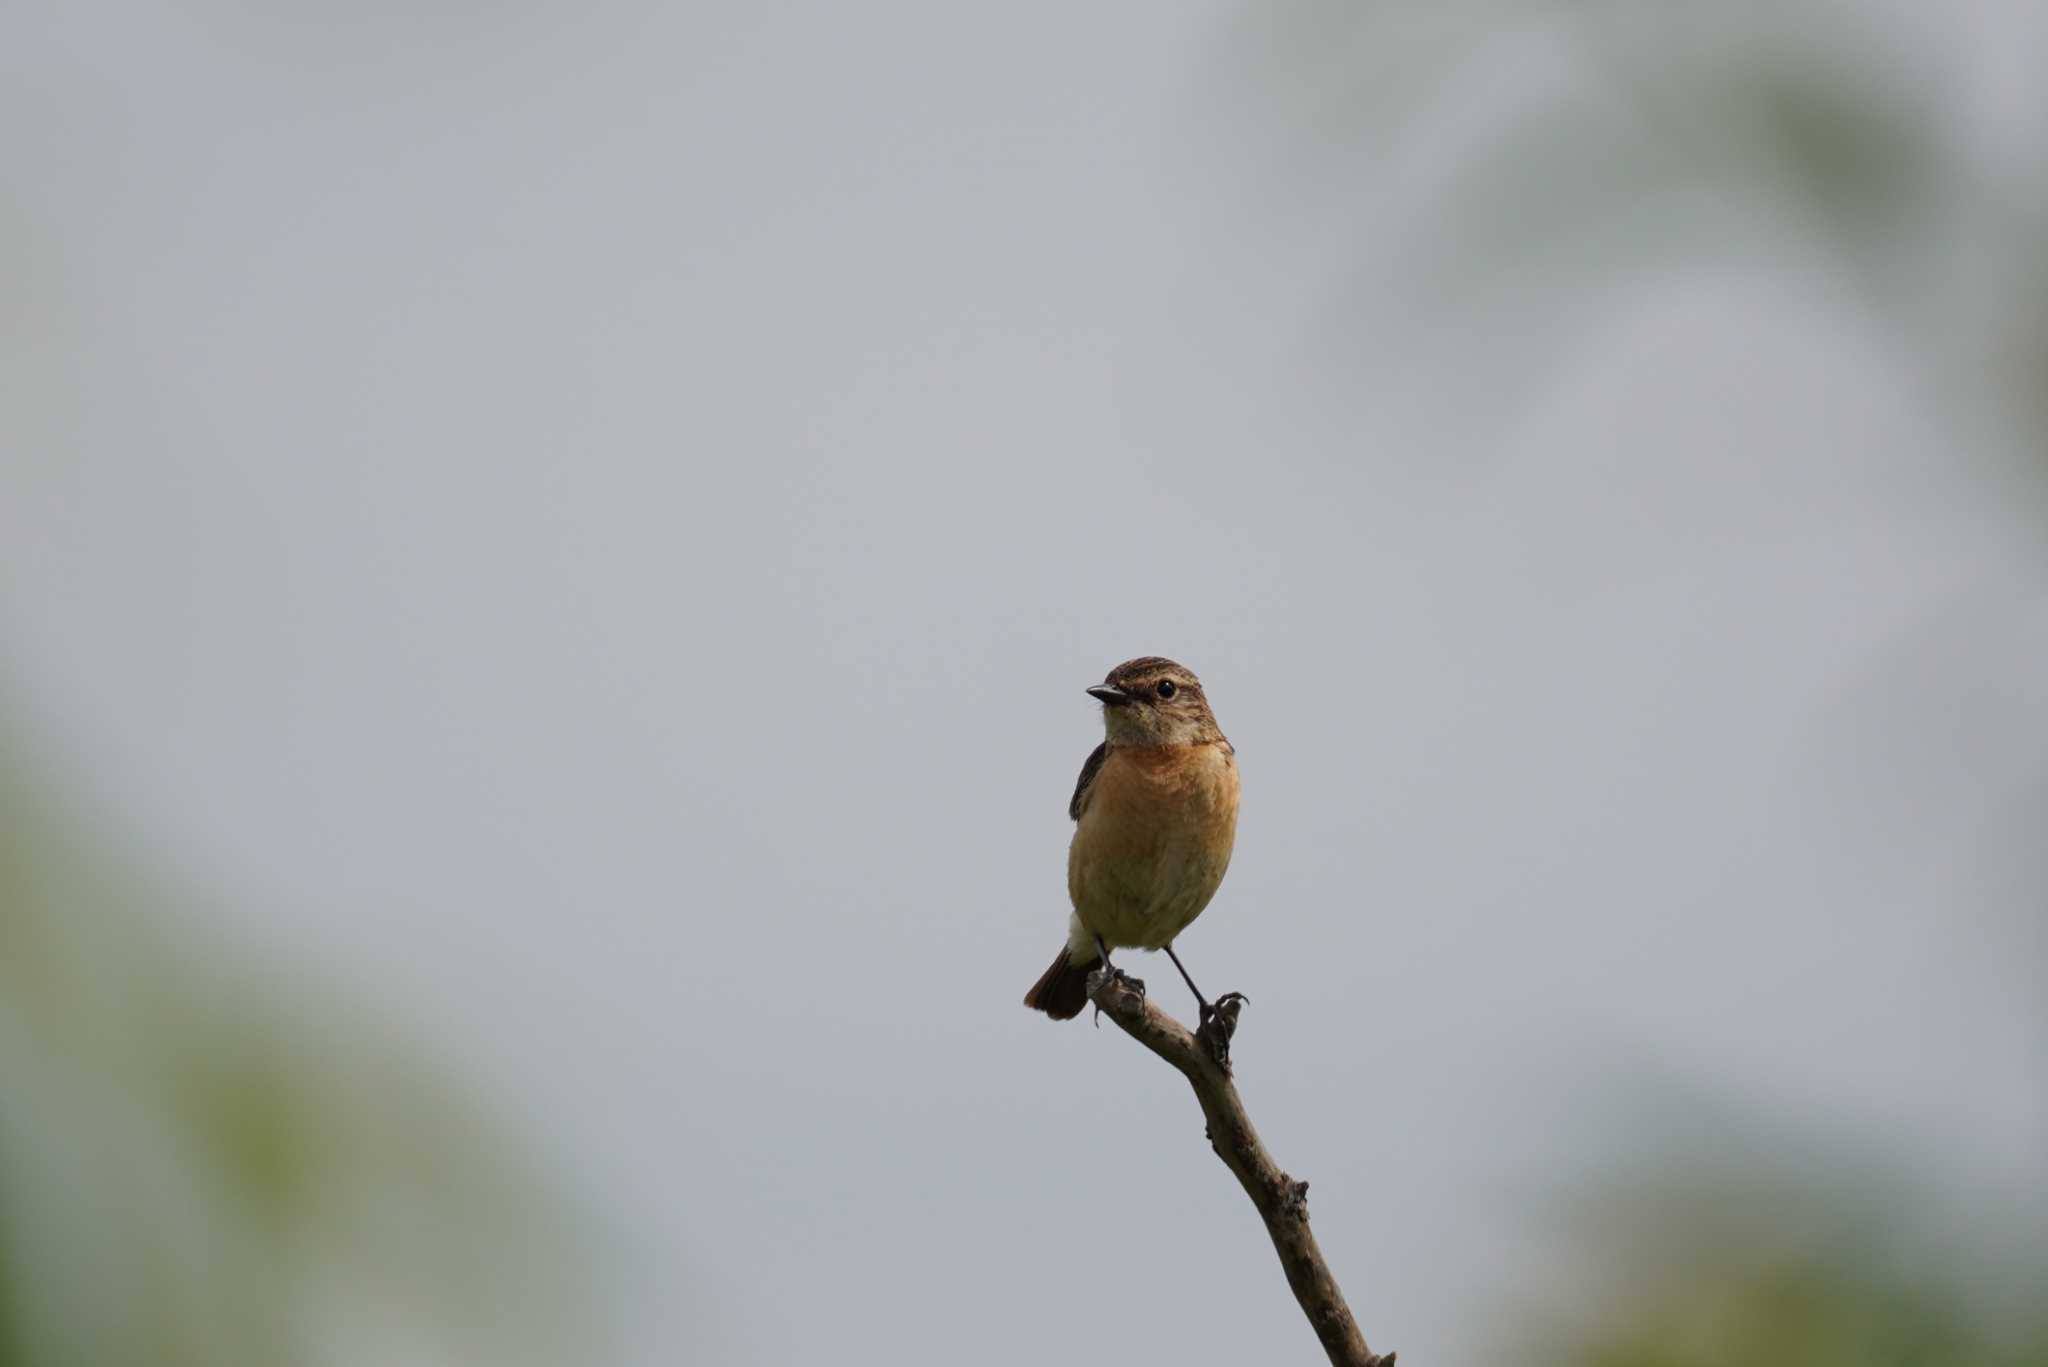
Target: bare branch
<point>1204,1060</point>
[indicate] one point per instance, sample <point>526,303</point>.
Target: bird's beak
<point>1108,695</point>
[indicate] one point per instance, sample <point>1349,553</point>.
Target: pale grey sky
<point>592,522</point>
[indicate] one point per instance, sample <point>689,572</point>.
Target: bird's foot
<point>1219,1024</point>
<point>1102,977</point>
<point>1105,974</point>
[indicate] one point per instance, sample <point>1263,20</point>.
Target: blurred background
<point>548,559</point>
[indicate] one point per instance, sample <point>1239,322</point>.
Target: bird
<point>1155,817</point>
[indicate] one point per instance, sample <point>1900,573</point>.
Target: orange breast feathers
<point>1152,843</point>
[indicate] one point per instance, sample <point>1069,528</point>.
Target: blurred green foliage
<point>1683,1287</point>
<point>1815,1314</point>
<point>206,1158</point>
<point>1709,1239</point>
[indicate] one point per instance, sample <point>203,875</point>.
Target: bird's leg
<point>1200,1000</point>
<point>1218,1022</point>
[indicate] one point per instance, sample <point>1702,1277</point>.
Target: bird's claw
<point>1225,1009</point>
<point>1103,977</point>
<point>1219,1024</point>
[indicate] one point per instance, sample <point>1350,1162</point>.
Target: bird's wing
<point>1089,768</point>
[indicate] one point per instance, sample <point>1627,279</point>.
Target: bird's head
<point>1153,701</point>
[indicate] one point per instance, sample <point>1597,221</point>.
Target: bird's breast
<point>1154,841</point>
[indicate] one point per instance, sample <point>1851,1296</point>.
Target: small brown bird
<point>1155,815</point>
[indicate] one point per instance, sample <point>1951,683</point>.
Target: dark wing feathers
<point>1089,768</point>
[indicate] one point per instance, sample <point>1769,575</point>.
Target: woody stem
<point>1282,1201</point>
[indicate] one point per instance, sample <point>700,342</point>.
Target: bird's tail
<point>1062,990</point>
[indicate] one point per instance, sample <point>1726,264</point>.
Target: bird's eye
<point>1165,689</point>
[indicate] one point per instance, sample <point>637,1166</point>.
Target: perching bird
<point>1156,816</point>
